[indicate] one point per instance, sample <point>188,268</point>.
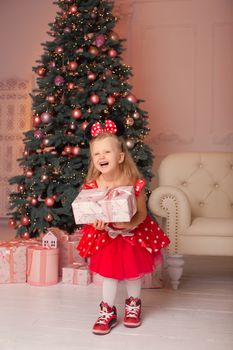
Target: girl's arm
<point>140,215</point>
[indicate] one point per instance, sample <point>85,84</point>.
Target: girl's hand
<point>123,225</point>
<point>99,224</point>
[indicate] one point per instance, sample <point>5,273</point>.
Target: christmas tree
<point>80,78</point>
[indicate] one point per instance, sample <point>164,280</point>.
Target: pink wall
<point>181,52</point>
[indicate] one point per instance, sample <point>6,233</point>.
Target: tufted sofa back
<point>206,178</point>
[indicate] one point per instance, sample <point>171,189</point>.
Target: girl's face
<point>106,155</point>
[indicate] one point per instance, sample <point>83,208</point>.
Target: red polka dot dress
<point>123,256</point>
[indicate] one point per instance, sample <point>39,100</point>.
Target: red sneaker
<point>132,312</point>
<point>106,320</point>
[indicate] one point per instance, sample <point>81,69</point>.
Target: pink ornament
<point>76,113</point>
<point>99,40</point>
<point>59,80</point>
<point>72,65</point>
<point>73,9</point>
<point>34,201</point>
<point>75,150</point>
<point>38,134</point>
<point>91,76</point>
<point>111,100</point>
<point>131,98</point>
<point>112,53</point>
<point>50,98</point>
<point>29,174</point>
<point>84,125</point>
<point>49,201</point>
<point>70,86</point>
<point>94,99</point>
<point>45,117</point>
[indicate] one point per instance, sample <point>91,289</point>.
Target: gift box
<point>12,262</point>
<point>76,274</point>
<point>68,253</point>
<point>42,266</point>
<point>109,205</point>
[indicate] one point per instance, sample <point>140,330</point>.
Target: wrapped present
<point>76,274</point>
<point>68,253</point>
<point>12,262</point>
<point>42,266</point>
<point>109,205</point>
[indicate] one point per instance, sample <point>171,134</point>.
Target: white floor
<point>199,315</point>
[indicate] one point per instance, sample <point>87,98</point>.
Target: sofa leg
<point>175,266</point>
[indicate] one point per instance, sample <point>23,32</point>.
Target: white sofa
<point>194,201</point>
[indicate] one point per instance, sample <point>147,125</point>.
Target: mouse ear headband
<point>112,126</point>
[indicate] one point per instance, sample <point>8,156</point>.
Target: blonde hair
<point>128,167</point>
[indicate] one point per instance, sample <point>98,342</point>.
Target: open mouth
<point>104,164</point>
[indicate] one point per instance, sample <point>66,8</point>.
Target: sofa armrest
<point>172,204</point>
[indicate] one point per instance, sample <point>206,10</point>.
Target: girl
<point>118,251</point>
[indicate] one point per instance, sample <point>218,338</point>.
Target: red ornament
<point>41,71</point>
<point>51,64</point>
<point>94,99</point>
<point>91,76</point>
<point>21,188</point>
<point>29,173</point>
<point>79,50</point>
<point>93,50</point>
<point>73,9</point>
<point>76,113</point>
<point>108,73</point>
<point>111,100</point>
<point>34,201</point>
<point>49,217</point>
<point>44,177</point>
<point>36,120</point>
<point>112,53</point>
<point>49,201</point>
<point>72,65</point>
<point>12,223</point>
<point>68,150</point>
<point>75,150</point>
<point>72,126</point>
<point>84,125</point>
<point>45,143</point>
<point>50,98</point>
<point>58,50</point>
<point>114,36</point>
<point>25,220</point>
<point>25,235</point>
<point>131,98</point>
<point>70,86</point>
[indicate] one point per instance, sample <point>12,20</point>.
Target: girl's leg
<point>133,303</point>
<point>108,314</point>
<point>133,287</point>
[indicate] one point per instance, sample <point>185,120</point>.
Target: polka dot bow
<point>109,126</point>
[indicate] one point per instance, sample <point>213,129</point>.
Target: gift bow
<point>109,126</point>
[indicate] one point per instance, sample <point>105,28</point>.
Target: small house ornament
<point>49,240</point>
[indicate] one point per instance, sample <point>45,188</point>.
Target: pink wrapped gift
<point>68,252</point>
<point>76,274</point>
<point>42,266</point>
<point>109,205</point>
<point>12,262</point>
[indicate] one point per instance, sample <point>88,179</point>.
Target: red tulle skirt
<point>121,260</point>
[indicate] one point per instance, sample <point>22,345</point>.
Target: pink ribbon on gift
<point>113,193</point>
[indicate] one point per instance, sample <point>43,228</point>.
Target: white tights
<point>110,285</point>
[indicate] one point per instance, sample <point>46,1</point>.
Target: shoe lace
<point>132,311</point>
<point>104,317</point>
